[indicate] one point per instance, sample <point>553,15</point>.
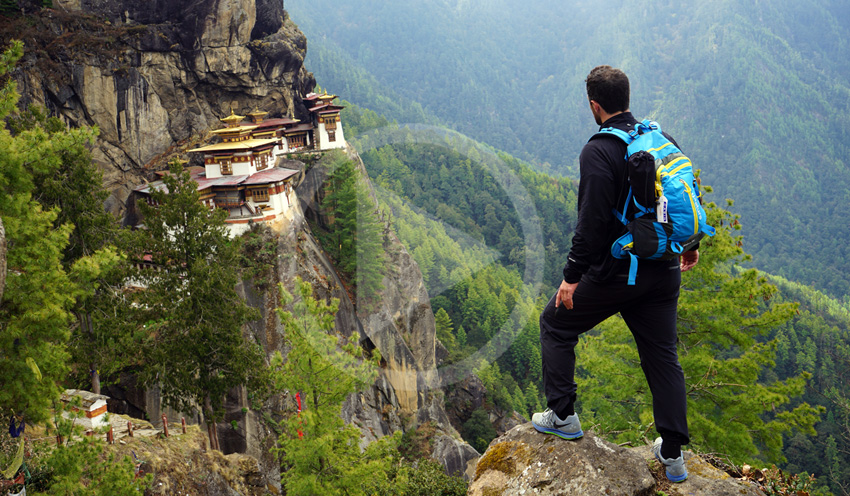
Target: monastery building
<point>240,172</point>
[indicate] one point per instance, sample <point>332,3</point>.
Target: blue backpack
<point>666,218</point>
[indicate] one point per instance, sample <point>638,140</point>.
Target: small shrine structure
<point>91,406</point>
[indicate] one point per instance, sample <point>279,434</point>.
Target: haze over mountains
<point>756,92</point>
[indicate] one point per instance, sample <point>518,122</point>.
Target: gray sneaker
<point>549,423</point>
<point>674,467</point>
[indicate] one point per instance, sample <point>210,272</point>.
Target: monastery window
<point>226,168</point>
<point>228,198</point>
<point>260,195</point>
<point>331,135</point>
<point>330,123</point>
<point>296,141</point>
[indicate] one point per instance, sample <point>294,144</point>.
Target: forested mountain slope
<point>757,93</point>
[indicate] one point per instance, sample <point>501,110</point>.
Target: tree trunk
<point>85,321</point>
<point>95,379</point>
<point>212,432</point>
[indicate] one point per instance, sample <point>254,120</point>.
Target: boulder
<point>524,461</point>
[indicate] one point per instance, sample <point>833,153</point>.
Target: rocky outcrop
<point>156,74</point>
<point>524,461</point>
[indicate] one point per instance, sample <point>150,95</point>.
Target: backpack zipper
<point>693,206</point>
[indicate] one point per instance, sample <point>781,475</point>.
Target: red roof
<point>328,106</point>
<point>267,176</point>
<point>299,128</point>
<point>275,123</point>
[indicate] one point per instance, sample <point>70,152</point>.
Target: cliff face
<point>407,392</point>
<point>155,74</point>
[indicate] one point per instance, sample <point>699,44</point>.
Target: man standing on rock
<point>595,288</point>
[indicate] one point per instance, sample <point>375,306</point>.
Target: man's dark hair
<point>609,87</point>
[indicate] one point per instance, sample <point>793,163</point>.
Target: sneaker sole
<point>673,478</point>
<point>559,433</point>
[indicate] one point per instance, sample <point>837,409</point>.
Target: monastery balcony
<point>245,213</point>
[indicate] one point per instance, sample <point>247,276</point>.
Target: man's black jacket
<point>603,188</point>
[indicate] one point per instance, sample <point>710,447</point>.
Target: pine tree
<point>319,453</point>
<point>195,350</point>
<point>369,247</point>
<point>76,191</point>
<point>340,208</point>
<point>445,329</point>
<point>355,235</point>
<point>40,292</point>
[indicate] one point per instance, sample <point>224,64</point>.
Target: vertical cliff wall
<point>155,74</point>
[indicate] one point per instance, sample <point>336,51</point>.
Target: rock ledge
<point>525,462</point>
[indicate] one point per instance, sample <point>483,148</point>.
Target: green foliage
<point>40,291</point>
<point>258,255</point>
<point>355,234</point>
<point>757,92</point>
<point>478,431</point>
<point>778,483</point>
<point>101,338</point>
<point>9,6</point>
<point>458,190</point>
<point>428,478</point>
<point>445,331</point>
<point>195,351</point>
<point>817,341</point>
<point>85,468</point>
<point>319,453</point>
<point>358,120</point>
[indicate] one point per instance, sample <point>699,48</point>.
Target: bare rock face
<point>524,461</point>
<point>155,75</point>
<point>401,326</point>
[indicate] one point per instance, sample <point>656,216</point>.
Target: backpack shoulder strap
<point>623,135</point>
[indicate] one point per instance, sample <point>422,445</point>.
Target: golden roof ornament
<point>232,120</point>
<point>257,115</point>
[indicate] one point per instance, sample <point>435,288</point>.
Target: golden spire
<point>233,120</point>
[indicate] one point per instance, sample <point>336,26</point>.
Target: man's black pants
<point>649,310</point>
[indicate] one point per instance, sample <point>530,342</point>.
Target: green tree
<point>445,330</point>
<point>76,191</point>
<point>478,431</point>
<point>318,452</point>
<point>85,468</point>
<point>195,350</point>
<point>340,208</point>
<point>355,234</point>
<point>369,248</point>
<point>40,292</point>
